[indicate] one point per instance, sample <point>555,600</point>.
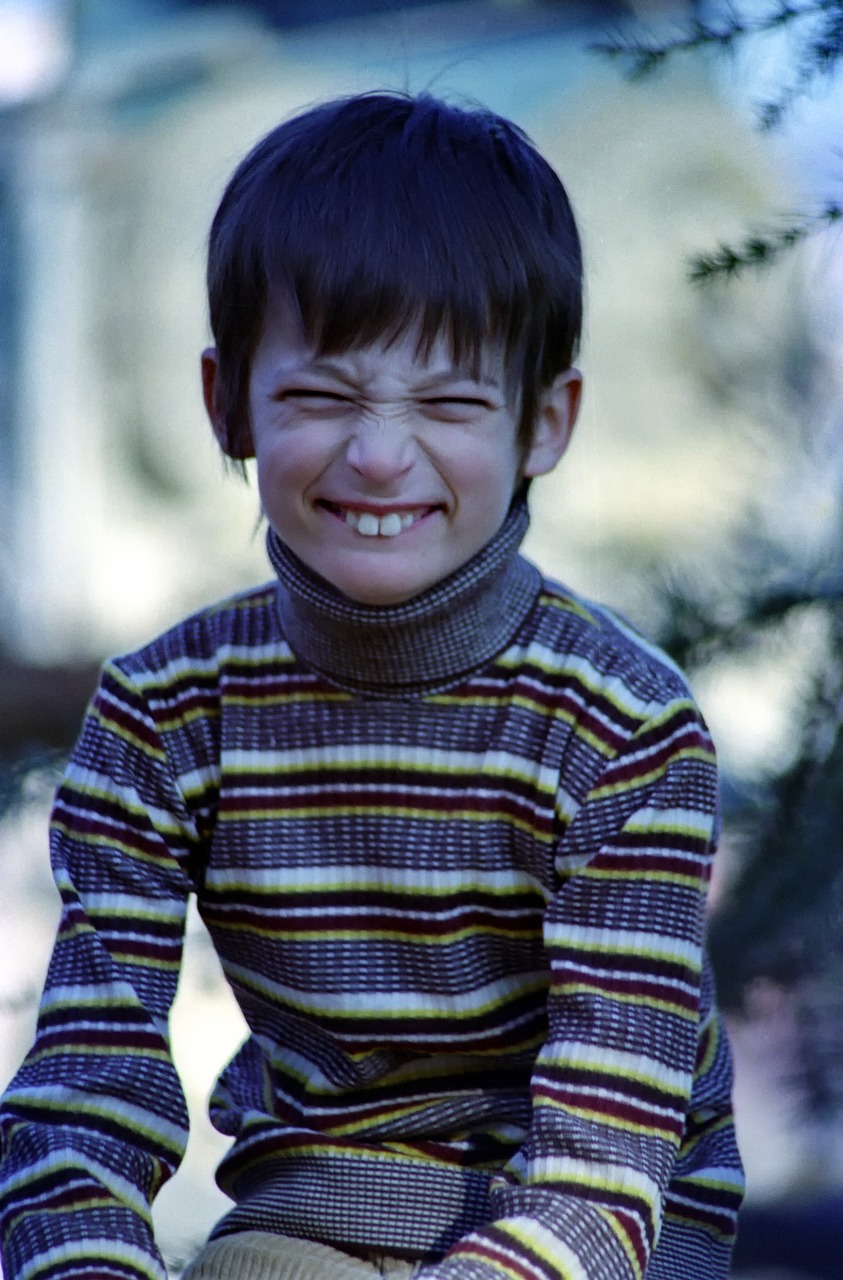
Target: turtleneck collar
<point>422,645</point>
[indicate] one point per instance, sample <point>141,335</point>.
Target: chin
<point>376,579</point>
<point>366,575</point>
<point>371,589</point>
<point>377,595</point>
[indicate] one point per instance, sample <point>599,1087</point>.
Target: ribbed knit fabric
<point>465,928</point>
<point>257,1255</point>
<point>423,644</point>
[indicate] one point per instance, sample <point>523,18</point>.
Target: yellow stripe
<point>103,1051</point>
<point>110,839</point>
<point>642,1002</point>
<point>641,780</point>
<point>120,731</point>
<point>611,1122</point>
<point>622,1235</point>
<point>386,811</point>
<point>366,932</point>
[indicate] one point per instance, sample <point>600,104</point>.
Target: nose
<point>381,448</point>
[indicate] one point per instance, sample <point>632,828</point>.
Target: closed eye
<point>473,400</point>
<point>313,393</point>
<point>455,406</point>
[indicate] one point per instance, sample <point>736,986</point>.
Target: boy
<point>449,826</point>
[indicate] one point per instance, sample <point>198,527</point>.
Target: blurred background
<point>701,497</point>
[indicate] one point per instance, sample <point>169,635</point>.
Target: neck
<point>423,644</point>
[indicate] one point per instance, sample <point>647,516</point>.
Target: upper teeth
<point>370,525</point>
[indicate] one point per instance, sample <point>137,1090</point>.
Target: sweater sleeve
<point>629,1039</point>
<point>95,1121</point>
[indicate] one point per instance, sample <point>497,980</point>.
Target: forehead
<point>405,354</point>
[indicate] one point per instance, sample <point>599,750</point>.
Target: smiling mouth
<point>371,525</point>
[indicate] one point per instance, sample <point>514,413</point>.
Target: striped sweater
<point>453,856</point>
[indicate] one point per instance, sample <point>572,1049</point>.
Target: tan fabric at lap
<point>259,1255</point>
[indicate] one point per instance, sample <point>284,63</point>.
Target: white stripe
<point>615,688</point>
<point>660,746</point>
<point>599,975</point>
<point>193,780</point>
<point>401,915</point>
<point>624,942</point>
<point>617,1062</point>
<point>338,756</point>
<point>140,906</point>
<point>96,786</point>
<point>75,1250</point>
<point>126,1114</point>
<point>404,1003</point>
<point>596,1173</point>
<point>547,1244</point>
<point>85,993</point>
<point>416,880</point>
<point>247,656</point>
<point>686,821</point>
<point>566,805</point>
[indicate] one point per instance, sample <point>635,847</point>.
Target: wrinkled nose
<point>381,449</point>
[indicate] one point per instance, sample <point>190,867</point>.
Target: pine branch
<point>821,51</point>
<point>761,248</point>
<point>16,776</point>
<point>781,916</point>
<point>825,50</point>
<point>819,57</point>
<point>644,54</point>
<point>697,630</point>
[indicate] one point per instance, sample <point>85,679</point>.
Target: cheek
<point>497,475</point>
<point>279,485</point>
<point>488,461</point>
<point>284,462</point>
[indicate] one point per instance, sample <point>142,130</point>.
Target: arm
<point>95,1120</point>
<point>611,1088</point>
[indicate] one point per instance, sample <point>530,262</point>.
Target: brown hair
<point>376,213</point>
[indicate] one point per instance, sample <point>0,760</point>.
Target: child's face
<point>384,472</point>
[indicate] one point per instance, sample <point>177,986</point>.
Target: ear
<point>557,415</point>
<point>241,446</point>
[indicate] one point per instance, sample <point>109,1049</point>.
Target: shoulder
<point>208,638</point>
<point>634,721</point>
<point>576,640</point>
<point>187,665</point>
<point>165,698</point>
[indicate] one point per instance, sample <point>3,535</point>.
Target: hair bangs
<point>386,214</point>
<point>404,256</point>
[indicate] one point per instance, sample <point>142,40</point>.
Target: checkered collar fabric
<point>423,645</point>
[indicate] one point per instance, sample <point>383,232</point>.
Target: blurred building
<point>115,513</point>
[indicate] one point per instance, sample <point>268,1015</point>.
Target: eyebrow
<point>461,375</point>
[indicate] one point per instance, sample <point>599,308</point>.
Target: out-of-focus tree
<point>781,918</point>
<point>814,29</point>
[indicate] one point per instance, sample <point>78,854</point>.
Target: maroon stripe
<point>615,1108</point>
<point>92,1037</point>
<point>327,919</point>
